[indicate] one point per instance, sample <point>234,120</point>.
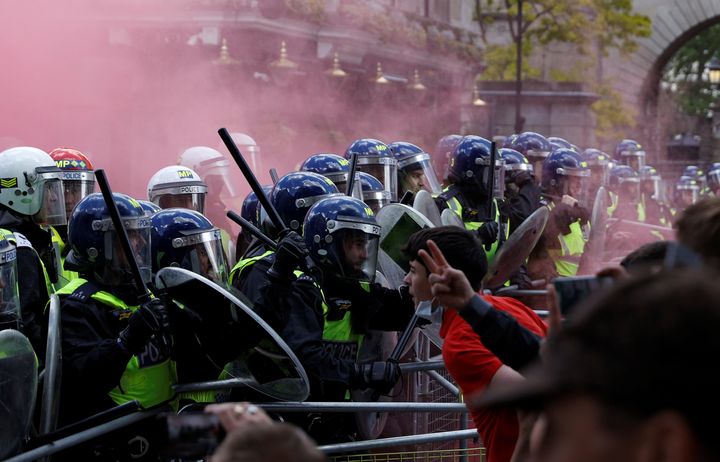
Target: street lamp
<point>713,68</point>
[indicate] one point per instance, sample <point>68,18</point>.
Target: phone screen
<point>571,291</point>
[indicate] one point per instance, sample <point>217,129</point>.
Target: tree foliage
<point>685,75</point>
<point>593,27</point>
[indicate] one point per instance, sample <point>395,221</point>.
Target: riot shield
<point>18,384</point>
<point>425,204</point>
<point>595,247</point>
<point>222,321</point>
<point>398,222</point>
<point>53,370</point>
<point>450,218</point>
<point>516,249</point>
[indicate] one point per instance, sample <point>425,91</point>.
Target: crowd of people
<point>626,376</point>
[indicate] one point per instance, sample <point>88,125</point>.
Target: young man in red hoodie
<point>486,338</point>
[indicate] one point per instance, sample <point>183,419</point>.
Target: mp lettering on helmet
<point>8,183</point>
<point>184,174</point>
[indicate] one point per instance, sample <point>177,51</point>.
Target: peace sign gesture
<point>449,286</point>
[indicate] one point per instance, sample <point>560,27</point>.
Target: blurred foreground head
<point>632,373</point>
<point>271,443</point>
<point>698,228</point>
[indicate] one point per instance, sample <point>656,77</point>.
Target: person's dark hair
<point>639,346</point>
<point>268,442</point>
<point>646,256</point>
<point>699,229</point>
<point>462,249</point>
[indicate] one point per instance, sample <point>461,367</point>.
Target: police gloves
<point>488,233</point>
<point>381,376</point>
<point>291,253</point>
<point>148,320</point>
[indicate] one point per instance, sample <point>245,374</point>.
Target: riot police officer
<point>535,147</point>
<point>31,195</point>
<point>333,167</point>
<point>9,298</point>
<point>375,158</point>
<point>415,170</point>
<point>687,192</point>
<point>656,208</point>
<point>470,194</point>
<point>176,186</point>
<point>373,192</point>
<point>522,195</point>
<point>625,194</point>
<point>631,153</point>
<point>114,351</point>
<point>441,156</point>
<point>564,183</point>
<point>78,182</point>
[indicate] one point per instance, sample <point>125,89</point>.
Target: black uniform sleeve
<point>393,308</point>
<point>268,300</point>
<point>93,361</point>
<point>523,204</point>
<point>304,323</point>
<point>33,297</point>
<point>513,344</point>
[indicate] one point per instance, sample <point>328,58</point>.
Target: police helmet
<point>342,236</point>
<point>556,143</point>
<point>565,173</point>
<point>470,165</point>
<point>186,239</point>
<point>687,190</point>
<point>415,171</point>
<point>296,192</point>
<point>375,158</point>
<point>31,185</point>
<point>441,155</point>
<point>78,175</point>
<point>713,177</point>
<point>177,186</point>
<point>334,167</point>
<point>149,207</point>
<point>630,152</point>
<point>374,195</point>
<point>95,246</point>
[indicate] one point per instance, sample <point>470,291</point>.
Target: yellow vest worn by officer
<point>469,218</point>
<point>334,330</point>
<point>64,276</point>
<point>149,385</point>
<point>572,245</point>
<point>18,240</point>
<point>615,201</point>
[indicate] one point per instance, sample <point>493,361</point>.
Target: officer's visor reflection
<point>138,244</point>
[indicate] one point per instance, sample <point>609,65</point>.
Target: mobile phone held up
<point>572,291</point>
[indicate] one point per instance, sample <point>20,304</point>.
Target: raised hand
<point>449,286</point>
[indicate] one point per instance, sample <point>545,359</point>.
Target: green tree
<point>684,76</point>
<point>594,27</point>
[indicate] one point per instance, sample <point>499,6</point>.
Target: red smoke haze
<point>119,81</point>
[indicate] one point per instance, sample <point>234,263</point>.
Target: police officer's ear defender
<point>145,294</point>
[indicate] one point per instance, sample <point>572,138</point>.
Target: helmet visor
<point>576,187</point>
<point>138,231</point>
<point>9,299</point>
<point>630,189</point>
<point>216,173</point>
<point>417,173</point>
<point>382,168</point>
<point>376,199</point>
<point>204,255</point>
<point>635,159</point>
<point>186,200</point>
<point>75,191</point>
<point>355,247</point>
<point>52,211</point>
<point>689,194</point>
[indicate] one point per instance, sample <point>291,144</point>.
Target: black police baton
<point>273,176</point>
<point>252,229</point>
<point>145,294</point>
<point>351,174</point>
<point>250,177</point>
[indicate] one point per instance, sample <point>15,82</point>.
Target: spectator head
<point>268,443</point>
<point>461,248</point>
<point>699,229</point>
<point>633,372</point>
